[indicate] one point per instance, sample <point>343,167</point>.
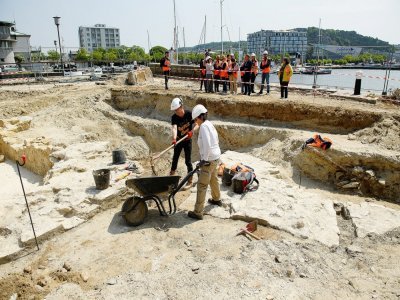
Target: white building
<point>277,42</point>
<point>98,36</point>
<point>13,43</point>
<point>23,46</point>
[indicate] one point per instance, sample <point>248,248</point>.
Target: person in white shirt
<point>209,158</point>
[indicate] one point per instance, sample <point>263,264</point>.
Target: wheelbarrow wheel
<point>135,216</point>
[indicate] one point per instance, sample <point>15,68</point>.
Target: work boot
<point>172,173</point>
<point>215,202</point>
<point>193,215</point>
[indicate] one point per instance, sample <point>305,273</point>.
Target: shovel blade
<point>252,226</point>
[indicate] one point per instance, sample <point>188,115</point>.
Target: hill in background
<point>328,37</point>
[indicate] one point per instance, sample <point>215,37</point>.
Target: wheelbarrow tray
<point>153,185</point>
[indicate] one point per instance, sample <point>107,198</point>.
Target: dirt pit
<point>72,131</point>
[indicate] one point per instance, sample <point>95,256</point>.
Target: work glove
<point>173,142</point>
<point>189,135</point>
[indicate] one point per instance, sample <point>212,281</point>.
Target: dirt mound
<point>384,133</point>
<point>31,285</point>
<point>20,284</point>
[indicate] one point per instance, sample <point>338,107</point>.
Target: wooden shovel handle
<point>251,234</point>
<point>169,148</point>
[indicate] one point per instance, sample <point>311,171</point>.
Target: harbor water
<point>345,79</point>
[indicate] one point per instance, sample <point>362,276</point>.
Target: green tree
<point>53,55</point>
<point>38,56</point>
<point>18,60</point>
<point>138,50</point>
<point>97,55</point>
<point>82,55</point>
<point>111,55</point>
<point>157,52</point>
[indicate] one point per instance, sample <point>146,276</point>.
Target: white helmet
<point>176,103</point>
<point>198,110</point>
<point>265,52</point>
<point>253,54</point>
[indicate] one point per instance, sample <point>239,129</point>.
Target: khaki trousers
<point>208,176</point>
<point>233,83</point>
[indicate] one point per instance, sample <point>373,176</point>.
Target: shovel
<point>250,228</point>
<point>158,155</point>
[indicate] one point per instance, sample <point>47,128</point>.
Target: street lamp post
<point>57,22</point>
<point>55,45</point>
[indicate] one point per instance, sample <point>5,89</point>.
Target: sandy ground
<point>176,257</point>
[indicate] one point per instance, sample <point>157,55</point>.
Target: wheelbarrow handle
<point>185,179</point>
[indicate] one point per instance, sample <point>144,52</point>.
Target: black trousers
<point>247,87</point>
<point>224,84</point>
<point>253,78</point>
<point>187,148</point>
<point>284,89</point>
<point>216,83</point>
<point>166,74</point>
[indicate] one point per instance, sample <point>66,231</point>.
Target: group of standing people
<point>225,70</point>
<point>221,72</point>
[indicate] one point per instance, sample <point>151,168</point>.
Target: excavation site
<point>89,210</point>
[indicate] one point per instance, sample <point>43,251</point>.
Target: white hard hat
<point>198,110</point>
<point>176,103</point>
<point>208,57</point>
<point>265,52</point>
<point>253,54</point>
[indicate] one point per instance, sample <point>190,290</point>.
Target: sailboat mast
<point>222,42</point>
<point>148,40</point>
<point>205,28</point>
<point>239,58</point>
<point>319,39</point>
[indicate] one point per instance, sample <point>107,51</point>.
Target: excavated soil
<point>177,258</point>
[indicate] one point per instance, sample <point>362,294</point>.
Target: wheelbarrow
<point>135,210</point>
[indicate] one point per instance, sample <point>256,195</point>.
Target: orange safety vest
<point>224,72</point>
<point>265,70</point>
<point>216,71</point>
<point>166,66</point>
<point>319,142</point>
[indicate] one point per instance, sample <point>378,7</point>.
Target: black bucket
<point>118,157</point>
<point>227,176</point>
<point>101,178</point>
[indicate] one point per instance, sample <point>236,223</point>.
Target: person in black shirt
<point>182,124</point>
<point>246,68</point>
<point>165,65</point>
<point>203,72</point>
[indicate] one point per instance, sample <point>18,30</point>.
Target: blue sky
<point>133,17</point>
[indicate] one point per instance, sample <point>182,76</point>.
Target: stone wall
<point>177,70</point>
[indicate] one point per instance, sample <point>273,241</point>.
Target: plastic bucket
<point>227,176</point>
<point>101,178</point>
<point>118,157</point>
<point>238,185</point>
